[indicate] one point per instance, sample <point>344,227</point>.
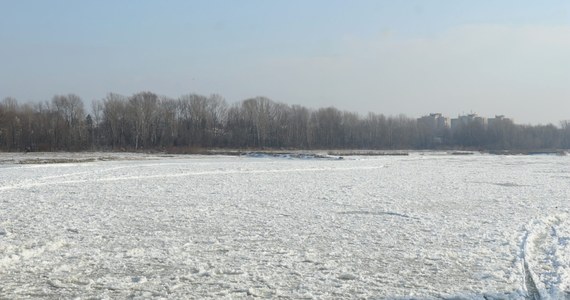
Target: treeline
<point>146,121</point>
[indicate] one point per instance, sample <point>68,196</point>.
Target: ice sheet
<point>410,227</point>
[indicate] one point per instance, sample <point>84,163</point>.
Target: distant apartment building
<point>497,120</point>
<point>434,122</point>
<point>467,120</point>
<point>433,128</point>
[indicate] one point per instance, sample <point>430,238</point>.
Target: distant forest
<point>146,121</point>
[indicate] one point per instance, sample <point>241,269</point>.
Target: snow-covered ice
<point>406,227</point>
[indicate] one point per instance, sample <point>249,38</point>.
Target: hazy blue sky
<point>411,57</point>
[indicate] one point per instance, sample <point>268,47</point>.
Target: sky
<point>509,57</point>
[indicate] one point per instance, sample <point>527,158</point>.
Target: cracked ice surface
<point>420,226</point>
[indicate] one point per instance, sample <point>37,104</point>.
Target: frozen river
<point>407,227</point>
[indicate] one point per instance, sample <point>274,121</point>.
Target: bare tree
<point>142,112</point>
<point>114,120</point>
<point>10,124</point>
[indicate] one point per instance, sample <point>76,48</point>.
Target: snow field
<point>198,227</point>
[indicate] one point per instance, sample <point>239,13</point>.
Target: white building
<point>498,119</point>
<point>467,120</point>
<point>434,121</point>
